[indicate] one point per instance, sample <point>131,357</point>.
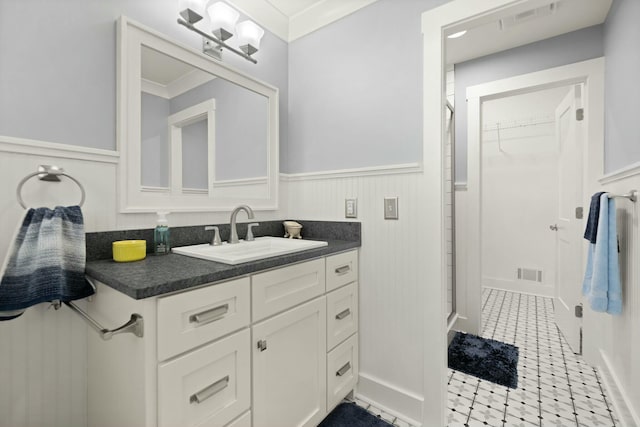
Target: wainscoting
<point>613,342</point>
<point>391,294</point>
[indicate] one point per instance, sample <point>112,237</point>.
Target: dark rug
<point>486,359</point>
<point>351,415</point>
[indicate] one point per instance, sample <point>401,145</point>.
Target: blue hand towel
<point>46,261</point>
<point>601,284</point>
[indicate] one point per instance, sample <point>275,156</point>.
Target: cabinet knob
<point>262,345</point>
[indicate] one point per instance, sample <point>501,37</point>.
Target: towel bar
<point>631,195</point>
<point>135,325</point>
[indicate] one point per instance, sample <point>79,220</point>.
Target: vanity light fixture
<point>223,20</point>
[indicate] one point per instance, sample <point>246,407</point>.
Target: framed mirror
<point>194,134</point>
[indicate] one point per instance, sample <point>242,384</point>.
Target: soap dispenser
<point>161,243</point>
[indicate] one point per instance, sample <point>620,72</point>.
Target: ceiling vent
<point>526,16</point>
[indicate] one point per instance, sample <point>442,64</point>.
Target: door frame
<point>437,23</point>
<point>591,74</point>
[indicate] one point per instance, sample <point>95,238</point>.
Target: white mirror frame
<point>259,193</point>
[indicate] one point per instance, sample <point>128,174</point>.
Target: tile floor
<point>555,386</point>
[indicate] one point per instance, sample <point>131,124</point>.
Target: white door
<point>569,228</point>
<point>289,367</point>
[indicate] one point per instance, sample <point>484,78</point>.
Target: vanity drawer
<point>342,314</point>
<point>277,290</point>
<point>243,421</point>
<point>207,387</point>
<point>193,318</point>
<point>341,269</point>
<point>342,371</point>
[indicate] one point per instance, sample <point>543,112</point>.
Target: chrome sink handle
<point>234,214</point>
<point>250,237</point>
<point>215,241</point>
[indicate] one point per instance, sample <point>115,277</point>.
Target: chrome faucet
<point>234,214</point>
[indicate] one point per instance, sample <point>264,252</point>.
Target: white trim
<point>451,322</point>
<point>150,189</point>
<point>497,288</point>
<point>321,14</point>
<point>621,402</point>
<point>405,168</point>
<point>34,147</point>
<point>460,186</point>
<point>241,182</point>
<point>620,174</point>
<point>408,405</point>
<point>131,37</point>
<point>302,23</point>
<point>266,15</point>
<point>199,191</point>
<point>447,18</point>
<point>153,88</point>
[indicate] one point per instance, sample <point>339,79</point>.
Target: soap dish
<point>129,250</point>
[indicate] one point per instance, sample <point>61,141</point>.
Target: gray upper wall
<point>58,67</point>
<point>561,50</point>
<point>622,92</point>
<point>355,90</point>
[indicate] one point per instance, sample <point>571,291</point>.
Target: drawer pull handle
<point>340,372</point>
<point>343,314</point>
<point>209,391</point>
<point>209,315</point>
<point>343,270</point>
<point>262,345</point>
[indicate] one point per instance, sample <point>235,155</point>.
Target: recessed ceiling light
<point>458,34</point>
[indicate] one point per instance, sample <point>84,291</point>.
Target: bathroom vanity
<point>273,343</point>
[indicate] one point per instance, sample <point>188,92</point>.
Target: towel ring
<point>48,173</point>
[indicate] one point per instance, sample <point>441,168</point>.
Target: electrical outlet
<point>350,208</point>
<point>390,208</point>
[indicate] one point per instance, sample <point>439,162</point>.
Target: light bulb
<point>223,20</point>
<point>249,36</point>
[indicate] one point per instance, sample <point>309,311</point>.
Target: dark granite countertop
<point>158,275</point>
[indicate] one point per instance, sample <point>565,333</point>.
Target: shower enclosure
<point>450,213</point>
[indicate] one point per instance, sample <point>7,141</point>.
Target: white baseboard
<point>403,404</point>
<point>464,325</point>
<point>520,286</point>
<point>622,405</point>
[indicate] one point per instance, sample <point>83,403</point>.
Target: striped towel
<point>46,261</point>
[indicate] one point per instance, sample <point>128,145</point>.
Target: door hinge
<point>578,311</point>
<point>580,114</point>
<point>579,212</point>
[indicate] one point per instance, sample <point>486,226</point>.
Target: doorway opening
<point>529,147</point>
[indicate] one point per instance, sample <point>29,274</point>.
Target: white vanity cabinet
<point>275,348</point>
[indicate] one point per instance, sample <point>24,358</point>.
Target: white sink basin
<point>260,248</point>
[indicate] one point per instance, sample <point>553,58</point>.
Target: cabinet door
<point>289,367</point>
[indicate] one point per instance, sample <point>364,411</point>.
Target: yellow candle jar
<point>129,250</point>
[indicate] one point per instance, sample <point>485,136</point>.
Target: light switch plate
<point>350,208</point>
<point>390,208</point>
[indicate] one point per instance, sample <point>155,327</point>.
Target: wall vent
<point>530,274</point>
<point>527,15</point>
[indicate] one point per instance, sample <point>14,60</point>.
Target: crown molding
<point>321,14</point>
<point>310,19</point>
